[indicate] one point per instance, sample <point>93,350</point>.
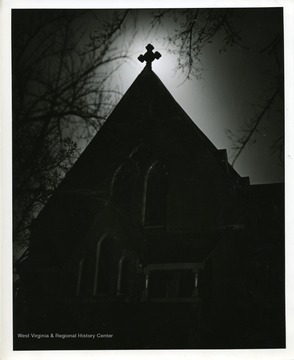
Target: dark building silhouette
<point>155,239</point>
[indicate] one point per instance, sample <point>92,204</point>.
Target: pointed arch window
<point>142,156</point>
<point>123,183</point>
<point>94,275</point>
<point>156,187</point>
<point>86,274</point>
<point>103,268</point>
<point>122,277</point>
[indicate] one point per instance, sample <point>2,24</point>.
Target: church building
<point>154,241</point>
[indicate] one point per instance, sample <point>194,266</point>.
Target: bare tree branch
<point>243,141</point>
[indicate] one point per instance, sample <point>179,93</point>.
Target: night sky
<point>233,87</point>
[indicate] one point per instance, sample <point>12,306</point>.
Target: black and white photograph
<point>148,178</point>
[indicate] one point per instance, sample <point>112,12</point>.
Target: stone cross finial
<point>149,56</point>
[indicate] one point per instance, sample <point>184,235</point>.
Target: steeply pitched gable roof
<point>147,113</point>
<point>148,102</point>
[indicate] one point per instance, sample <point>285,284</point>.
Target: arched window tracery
<point>123,184</point>
<point>142,156</point>
<point>94,275</point>
<point>86,273</point>
<point>103,267</point>
<point>155,195</point>
<point>122,276</point>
